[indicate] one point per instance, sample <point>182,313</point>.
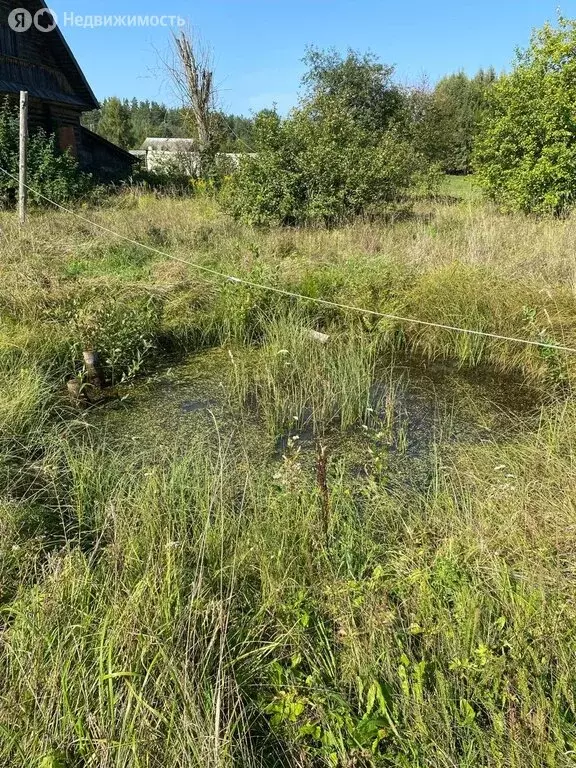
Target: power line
<point>293,294</point>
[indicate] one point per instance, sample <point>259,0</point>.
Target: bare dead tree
<point>191,71</point>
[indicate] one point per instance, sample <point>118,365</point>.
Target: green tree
<point>361,84</point>
<point>150,118</point>
<point>236,133</point>
<point>525,156</point>
<point>447,118</point>
<point>340,154</point>
<point>115,123</point>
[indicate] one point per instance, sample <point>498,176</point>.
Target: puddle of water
<point>192,406</point>
<point>416,408</point>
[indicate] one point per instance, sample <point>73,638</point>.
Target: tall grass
<point>298,382</point>
<point>203,619</point>
<point>25,399</point>
<point>463,265</point>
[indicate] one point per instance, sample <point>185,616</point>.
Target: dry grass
<point>519,252</point>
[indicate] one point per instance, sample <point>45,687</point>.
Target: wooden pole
<point>22,189</point>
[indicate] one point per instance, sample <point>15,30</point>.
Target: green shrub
<point>52,173</point>
<point>312,171</point>
<point>526,153</point>
<point>333,158</point>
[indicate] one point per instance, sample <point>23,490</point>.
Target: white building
<point>180,156</point>
<point>171,155</point>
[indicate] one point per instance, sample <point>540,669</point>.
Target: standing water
<point>414,410</point>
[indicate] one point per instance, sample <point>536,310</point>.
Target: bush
<point>320,171</point>
<point>334,157</point>
<point>51,172</point>
<point>525,157</point>
<point>163,183</point>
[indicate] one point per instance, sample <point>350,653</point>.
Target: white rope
<point>300,296</point>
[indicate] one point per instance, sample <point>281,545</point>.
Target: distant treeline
<point>444,120</point>
<point>447,118</point>
<point>128,123</point>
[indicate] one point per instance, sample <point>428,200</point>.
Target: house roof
<point>170,145</point>
<point>43,81</point>
<point>95,138</point>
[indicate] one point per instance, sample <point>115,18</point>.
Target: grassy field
<point>461,187</point>
<point>219,603</point>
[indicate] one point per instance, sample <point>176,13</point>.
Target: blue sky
<point>258,44</point>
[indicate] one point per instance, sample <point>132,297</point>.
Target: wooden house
<point>42,63</point>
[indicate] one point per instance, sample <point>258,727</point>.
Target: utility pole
<point>22,188</point>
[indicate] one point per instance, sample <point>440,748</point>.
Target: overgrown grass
<point>460,264</point>
<point>201,617</point>
<point>460,187</point>
<point>297,382</point>
<point>209,606</point>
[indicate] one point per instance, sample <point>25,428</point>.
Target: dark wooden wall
<point>42,64</point>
